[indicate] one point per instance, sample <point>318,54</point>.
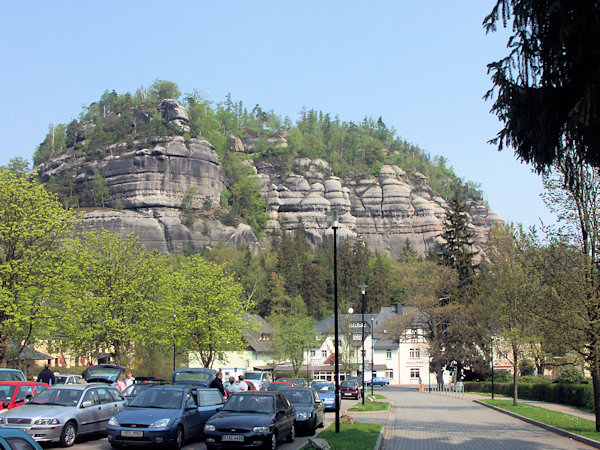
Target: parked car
<point>310,412</point>
<point>16,393</point>
<point>17,440</point>
<point>358,381</point>
<point>135,389</point>
<point>251,386</point>
<point>294,381</point>
<point>327,395</point>
<point>278,385</point>
<point>316,383</point>
<point>164,414</point>
<point>252,419</point>
<point>67,379</point>
<point>12,375</point>
<point>260,379</point>
<point>349,389</point>
<point>200,377</point>
<point>63,413</point>
<point>378,381</point>
<point>103,373</point>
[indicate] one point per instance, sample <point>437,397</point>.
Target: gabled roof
<point>254,336</point>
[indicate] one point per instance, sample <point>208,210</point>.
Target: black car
<point>252,419</point>
<point>164,414</point>
<point>310,412</point>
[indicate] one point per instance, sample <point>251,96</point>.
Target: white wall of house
<point>244,360</point>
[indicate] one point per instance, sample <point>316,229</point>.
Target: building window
<point>415,353</point>
<point>356,325</point>
<point>313,353</point>
<point>415,335</point>
<point>389,373</point>
<point>415,373</point>
<point>324,353</point>
<point>388,354</point>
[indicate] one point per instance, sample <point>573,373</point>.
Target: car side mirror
<point>86,404</point>
<point>219,409</point>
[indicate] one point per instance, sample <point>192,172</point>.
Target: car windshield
<point>6,393</point>
<point>11,375</point>
<point>61,379</point>
<point>158,398</point>
<point>253,376</point>
<point>61,397</point>
<point>182,377</point>
<point>326,388</point>
<point>251,403</point>
<point>297,396</point>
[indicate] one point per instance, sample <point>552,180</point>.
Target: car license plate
<point>348,394</point>
<point>132,433</point>
<point>233,438</point>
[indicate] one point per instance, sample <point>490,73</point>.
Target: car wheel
<point>116,445</point>
<point>272,445</point>
<point>68,434</point>
<point>179,438</point>
<point>292,435</point>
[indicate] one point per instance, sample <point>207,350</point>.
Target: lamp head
<point>351,310</point>
<point>334,219</point>
<point>363,288</point>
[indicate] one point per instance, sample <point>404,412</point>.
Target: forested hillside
<point>352,149</point>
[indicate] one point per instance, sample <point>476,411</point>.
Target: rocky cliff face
<point>148,186</point>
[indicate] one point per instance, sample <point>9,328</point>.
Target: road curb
<point>560,431</point>
<point>379,442</point>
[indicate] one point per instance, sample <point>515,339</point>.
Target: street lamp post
<point>174,342</point>
<point>334,226</point>
<point>363,290</point>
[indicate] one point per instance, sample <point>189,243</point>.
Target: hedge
<point>581,395</point>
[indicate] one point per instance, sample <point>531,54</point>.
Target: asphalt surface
<point>427,421</point>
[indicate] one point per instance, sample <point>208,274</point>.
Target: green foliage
<point>570,375</point>
<point>32,225</point>
<point>112,287</point>
<point>526,367</point>
<point>187,206</point>
<point>293,335</point>
<point>207,305</point>
<point>579,395</point>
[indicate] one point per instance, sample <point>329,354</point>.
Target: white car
<point>67,379</point>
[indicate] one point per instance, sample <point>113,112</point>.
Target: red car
<point>251,386</point>
<point>14,393</point>
<point>349,388</point>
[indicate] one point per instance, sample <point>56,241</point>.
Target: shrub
<point>570,375</point>
<point>526,367</point>
<point>502,376</point>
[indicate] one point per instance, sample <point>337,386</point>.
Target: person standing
<point>242,386</point>
<point>121,383</point>
<point>129,380</point>
<point>231,387</point>
<point>46,376</point>
<point>218,383</point>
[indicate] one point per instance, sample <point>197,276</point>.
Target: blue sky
<point>421,66</point>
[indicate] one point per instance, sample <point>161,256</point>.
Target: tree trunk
<point>596,384</point>
<point>439,375</point>
<point>3,350</point>
<point>515,374</point>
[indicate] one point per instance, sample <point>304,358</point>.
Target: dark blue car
<point>164,414</point>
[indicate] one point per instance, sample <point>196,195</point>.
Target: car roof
<point>22,383</point>
<point>6,369</point>
<point>257,393</point>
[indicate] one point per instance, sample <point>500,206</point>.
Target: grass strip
<point>567,422</point>
<point>370,406</point>
<point>380,397</point>
<point>355,436</point>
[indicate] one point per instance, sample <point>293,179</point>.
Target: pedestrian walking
<point>46,376</point>
<point>218,383</point>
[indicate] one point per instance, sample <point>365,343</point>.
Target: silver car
<point>64,412</point>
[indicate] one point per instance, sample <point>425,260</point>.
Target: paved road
<point>433,421</point>
<point>429,421</point>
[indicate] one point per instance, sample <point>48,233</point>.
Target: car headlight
<point>2,420</point>
<point>302,416</point>
<point>160,423</point>
<point>209,427</point>
<point>260,429</point>
<point>47,422</point>
<point>113,421</point>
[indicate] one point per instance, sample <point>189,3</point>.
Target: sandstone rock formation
<point>147,187</point>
